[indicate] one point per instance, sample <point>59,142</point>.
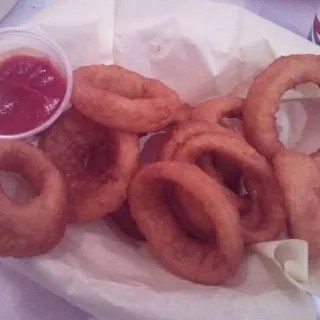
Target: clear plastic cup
<point>20,39</point>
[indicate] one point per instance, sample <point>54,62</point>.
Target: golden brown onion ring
<point>122,99</point>
<point>205,263</point>
<point>35,227</point>
<point>97,162</point>
<point>262,102</point>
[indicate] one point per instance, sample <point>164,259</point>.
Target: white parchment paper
<point>201,49</point>
<point>83,28</point>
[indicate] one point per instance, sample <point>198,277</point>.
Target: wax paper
<point>201,49</point>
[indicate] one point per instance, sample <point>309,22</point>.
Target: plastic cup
<point>20,40</point>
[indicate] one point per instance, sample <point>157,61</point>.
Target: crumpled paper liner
<point>111,277</point>
<point>201,49</point>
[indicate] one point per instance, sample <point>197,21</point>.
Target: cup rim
<point>69,79</point>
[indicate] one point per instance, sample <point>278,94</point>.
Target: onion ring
<point>98,163</point>
<point>188,258</point>
<point>262,102</point>
<point>122,99</point>
<point>38,226</point>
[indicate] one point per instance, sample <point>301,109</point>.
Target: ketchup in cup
<point>31,90</point>
<point>35,83</point>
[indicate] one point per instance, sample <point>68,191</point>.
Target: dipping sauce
<point>31,90</point>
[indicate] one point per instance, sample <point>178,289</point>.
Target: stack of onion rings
<point>185,200</point>
<point>263,217</point>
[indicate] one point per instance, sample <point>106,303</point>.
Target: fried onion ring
<point>97,162</point>
<point>38,226</point>
<point>262,102</point>
<point>205,263</point>
<point>122,99</point>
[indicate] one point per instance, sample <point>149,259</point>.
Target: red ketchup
<point>31,90</point>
